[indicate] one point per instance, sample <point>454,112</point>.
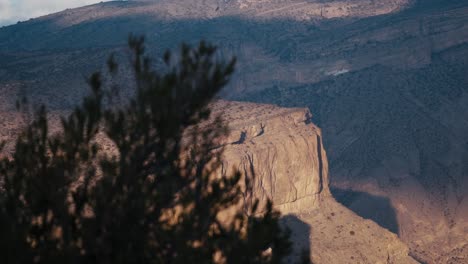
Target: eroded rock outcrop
<point>284,150</point>
<point>281,150</point>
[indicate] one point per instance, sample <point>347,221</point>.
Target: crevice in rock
<point>320,163</point>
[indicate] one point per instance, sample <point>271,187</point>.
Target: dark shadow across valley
<point>376,208</point>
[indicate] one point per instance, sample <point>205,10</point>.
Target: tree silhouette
<point>134,182</point>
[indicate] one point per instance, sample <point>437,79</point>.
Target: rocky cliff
<point>281,150</point>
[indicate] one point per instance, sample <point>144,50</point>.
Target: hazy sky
<point>12,11</point>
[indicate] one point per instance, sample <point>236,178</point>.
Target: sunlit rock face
<point>280,150</point>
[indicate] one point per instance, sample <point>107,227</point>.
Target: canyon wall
<point>281,151</point>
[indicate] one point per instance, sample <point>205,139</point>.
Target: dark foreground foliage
<point>154,196</point>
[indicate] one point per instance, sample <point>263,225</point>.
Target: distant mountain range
<point>387,81</point>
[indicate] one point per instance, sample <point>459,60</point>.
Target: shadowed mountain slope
<point>399,134</point>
